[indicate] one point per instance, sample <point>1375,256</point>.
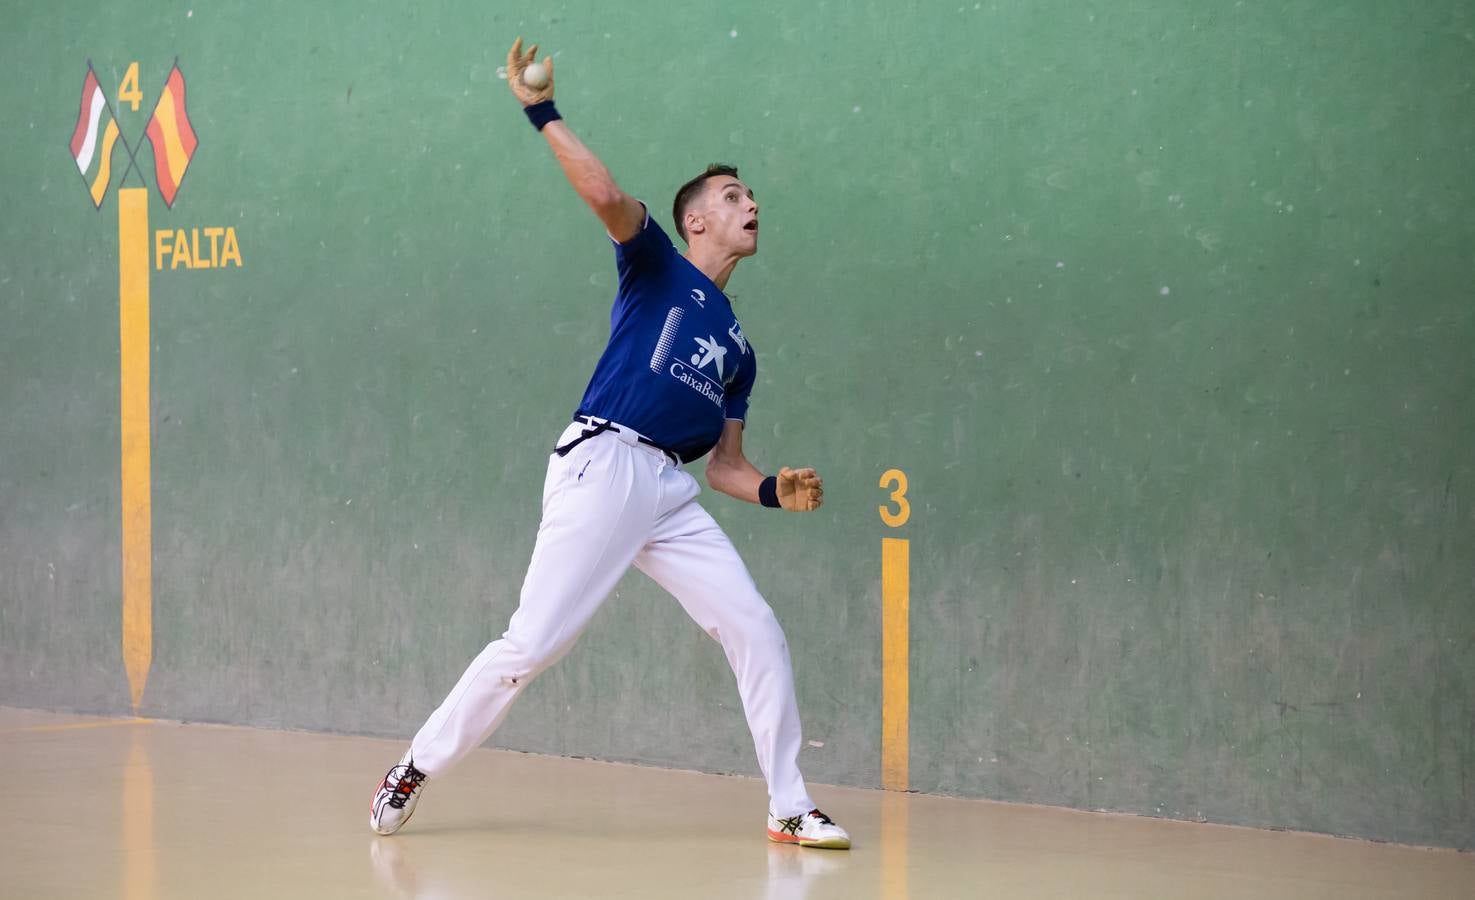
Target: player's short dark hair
<point>689,191</point>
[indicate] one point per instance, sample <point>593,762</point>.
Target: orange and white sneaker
<point>396,796</point>
<point>813,829</point>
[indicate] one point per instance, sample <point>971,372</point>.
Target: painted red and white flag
<point>94,138</point>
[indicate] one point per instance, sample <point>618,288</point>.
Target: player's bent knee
<point>530,654</point>
<point>763,620</point>
<point>759,627</point>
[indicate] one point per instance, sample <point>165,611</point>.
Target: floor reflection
<point>131,809</point>
<point>793,873</point>
<point>393,868</point>
<point>895,840</point>
<point>140,881</point>
<point>800,873</point>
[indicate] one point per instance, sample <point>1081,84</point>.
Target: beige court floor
<point>139,809</point>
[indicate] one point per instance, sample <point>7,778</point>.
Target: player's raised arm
<point>622,215</point>
<point>729,471</point>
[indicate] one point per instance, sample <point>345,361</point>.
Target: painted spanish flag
<point>94,138</point>
<point>172,136</point>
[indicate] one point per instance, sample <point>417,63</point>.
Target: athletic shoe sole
<point>779,837</point>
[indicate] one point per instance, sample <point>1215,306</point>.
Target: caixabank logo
<point>98,135</point>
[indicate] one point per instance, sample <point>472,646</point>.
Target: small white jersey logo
<point>711,351</point>
<point>699,297</point>
<point>736,333</point>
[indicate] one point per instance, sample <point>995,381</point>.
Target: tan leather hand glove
<point>799,490</point>
<point>516,63</point>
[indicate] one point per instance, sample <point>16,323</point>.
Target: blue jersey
<point>677,365</point>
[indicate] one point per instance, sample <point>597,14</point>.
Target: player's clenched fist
<point>799,490</point>
<point>529,86</point>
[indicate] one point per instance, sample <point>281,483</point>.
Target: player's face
<point>731,217</point>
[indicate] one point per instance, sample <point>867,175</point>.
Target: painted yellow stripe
<point>133,322</point>
<point>105,165</point>
<point>895,662</point>
<point>174,155</point>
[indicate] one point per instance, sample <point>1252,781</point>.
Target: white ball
<point>535,76</point>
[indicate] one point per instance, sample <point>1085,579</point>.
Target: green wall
<point>1165,309</point>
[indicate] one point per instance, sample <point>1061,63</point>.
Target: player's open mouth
<point>751,226</point>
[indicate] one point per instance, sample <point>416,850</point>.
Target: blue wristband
<point>541,114</point>
<point>768,492</point>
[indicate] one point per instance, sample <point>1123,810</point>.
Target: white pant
<point>610,502</point>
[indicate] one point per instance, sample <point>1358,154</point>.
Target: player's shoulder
<point>650,232</point>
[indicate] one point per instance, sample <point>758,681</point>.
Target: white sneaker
<point>395,799</point>
<point>813,829</point>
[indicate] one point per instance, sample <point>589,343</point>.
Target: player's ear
<point>695,224</point>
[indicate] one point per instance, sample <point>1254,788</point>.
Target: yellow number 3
<point>899,497</point>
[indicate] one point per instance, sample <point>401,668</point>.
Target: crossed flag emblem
<point>169,132</point>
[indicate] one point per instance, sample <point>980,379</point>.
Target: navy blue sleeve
<point>650,247</point>
<point>735,398</point>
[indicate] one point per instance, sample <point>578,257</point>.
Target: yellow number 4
<point>128,91</point>
<point>898,496</point>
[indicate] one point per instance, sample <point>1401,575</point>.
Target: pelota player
<point>672,385</point>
